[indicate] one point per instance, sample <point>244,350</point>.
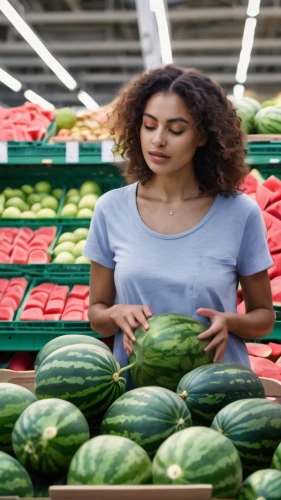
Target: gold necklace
<point>172,210</point>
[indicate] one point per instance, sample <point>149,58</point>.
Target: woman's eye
<point>176,133</point>
<point>148,128</point>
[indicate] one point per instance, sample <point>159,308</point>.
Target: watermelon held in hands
<point>47,435</point>
<point>168,350</point>
<point>148,416</point>
<point>254,427</point>
<point>199,455</point>
<point>14,479</point>
<point>208,389</point>
<point>261,485</point>
<point>259,350</point>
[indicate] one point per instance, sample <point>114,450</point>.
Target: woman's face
<point>168,136</point>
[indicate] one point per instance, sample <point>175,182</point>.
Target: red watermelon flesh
<point>260,350</point>
<point>85,315</point>
<point>6,314</point>
<point>19,256</point>
<point>16,292</point>
<point>54,306</point>
<point>278,362</point>
<point>6,247</point>
<point>51,317</point>
<point>38,256</point>
<point>32,314</point>
<point>275,209</point>
<point>44,287</point>
<point>87,300</point>
<point>79,291</point>
<point>275,270</point>
<point>18,281</point>
<point>263,196</point>
<point>27,233</point>
<point>241,308</point>
<point>39,245</point>
<point>73,316</point>
<point>59,293</point>
<point>265,368</point>
<point>272,183</point>
<point>275,222</point>
<point>9,302</point>
<point>3,284</point>
<point>276,351</point>
<point>21,242</point>
<point>34,301</point>
<point>4,258</point>
<point>274,241</point>
<point>21,361</point>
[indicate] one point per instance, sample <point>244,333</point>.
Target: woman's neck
<point>174,187</point>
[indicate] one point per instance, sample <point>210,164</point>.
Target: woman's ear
<point>202,140</point>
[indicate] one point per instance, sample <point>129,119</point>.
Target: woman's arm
<point>257,322</point>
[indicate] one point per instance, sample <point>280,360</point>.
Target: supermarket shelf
<point>35,340</point>
<point>264,150</point>
<point>47,271</point>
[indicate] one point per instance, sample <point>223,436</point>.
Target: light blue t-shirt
<point>182,272</point>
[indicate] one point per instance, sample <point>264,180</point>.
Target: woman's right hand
<point>128,318</point>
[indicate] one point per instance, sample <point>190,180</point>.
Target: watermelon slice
<point>87,299</point>
<point>59,293</point>
<point>260,350</point>
<point>55,306</point>
<point>72,316</point>
<point>275,209</point>
<point>80,291</point>
<point>275,270</point>
<point>33,302</point>
<point>18,281</point>
<point>263,196</point>
<point>9,302</point>
<point>26,233</point>
<point>32,314</point>
<point>44,287</point>
<point>52,317</point>
<point>6,247</point>
<point>276,351</point>
<point>16,292</point>
<point>85,315</point>
<point>241,308</point>
<point>272,183</point>
<point>21,361</point>
<point>6,314</point>
<point>265,368</point>
<point>251,182</point>
<point>21,242</point>
<point>3,284</point>
<point>278,362</point>
<point>49,233</point>
<point>4,258</point>
<point>38,256</point>
<point>39,245</point>
<point>19,256</point>
<point>274,241</point>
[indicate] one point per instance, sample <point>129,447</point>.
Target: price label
<point>107,155</point>
<point>72,152</point>
<point>3,152</point>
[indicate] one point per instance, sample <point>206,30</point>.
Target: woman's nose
<point>158,140</point>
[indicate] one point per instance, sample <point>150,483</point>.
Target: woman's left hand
<point>218,332</point>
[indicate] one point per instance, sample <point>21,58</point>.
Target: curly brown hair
<point>219,164</point>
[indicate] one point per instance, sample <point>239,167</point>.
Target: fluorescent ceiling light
<point>10,81</point>
<point>33,40</point>
<point>37,99</point>
<point>249,33</point>
<point>238,91</point>
<point>87,100</point>
<point>158,7</point>
<point>253,8</point>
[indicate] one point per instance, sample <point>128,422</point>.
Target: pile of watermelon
<point>51,302</point>
<point>28,122</point>
<point>256,118</point>
<point>11,295</point>
<point>24,246</point>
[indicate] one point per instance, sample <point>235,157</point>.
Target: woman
<point>180,235</point>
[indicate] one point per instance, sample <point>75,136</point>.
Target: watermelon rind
<point>63,341</point>
<point>14,479</point>
<point>148,416</point>
<point>208,389</point>
<point>110,460</point>
<point>264,484</point>
<point>199,455</point>
<point>268,120</point>
<point>85,375</point>
<point>276,460</point>
<point>47,435</point>
<point>254,427</point>
<point>168,350</point>
<point>13,401</point>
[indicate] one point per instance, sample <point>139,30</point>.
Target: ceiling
<point>97,41</point>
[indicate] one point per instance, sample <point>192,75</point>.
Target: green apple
<point>27,189</point>
<point>81,233</point>
<point>8,192</point>
<point>66,237</point>
<point>69,210</point>
<point>18,203</point>
<point>57,193</point>
<point>50,202</point>
<point>33,198</point>
<point>46,213</point>
<point>42,196</point>
<point>82,260</point>
<point>74,198</point>
<point>90,187</point>
<point>43,187</point>
<point>36,207</point>
<point>64,258</point>
<point>72,192</point>
<point>11,213</point>
<point>16,193</point>
<point>85,213</point>
<point>28,215</point>
<point>67,246</point>
<point>78,249</point>
<point>88,201</point>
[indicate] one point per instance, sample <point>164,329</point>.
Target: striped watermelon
<point>86,375</point>
<point>148,416</point>
<point>14,480</point>
<point>254,427</point>
<point>246,111</point>
<point>261,485</point>
<point>63,341</point>
<point>276,460</point>
<point>47,435</point>
<point>268,120</point>
<point>110,460</point>
<point>199,455</point>
<point>13,400</point>
<point>168,350</point>
<point>207,389</point>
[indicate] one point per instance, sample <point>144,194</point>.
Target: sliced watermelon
<point>52,317</point>
<point>80,291</point>
<point>34,302</point>
<point>33,314</point>
<point>38,256</point>
<point>21,242</point>
<point>3,284</point>
<point>73,308</point>
<point>6,314</point>
<point>276,351</point>
<point>9,302</point>
<point>18,281</point>
<point>59,293</point>
<point>73,316</point>
<point>19,256</point>
<point>39,245</point>
<point>87,299</point>
<point>259,350</point>
<point>251,182</point>
<point>26,233</point>
<point>265,368</point>
<point>241,308</point>
<point>55,306</point>
<point>4,258</point>
<point>47,231</point>
<point>85,315</point>
<point>275,270</point>
<point>275,209</point>
<point>272,183</point>
<point>21,361</point>
<point>44,287</point>
<point>274,241</point>
<point>263,196</point>
<point>6,247</point>
<point>16,292</point>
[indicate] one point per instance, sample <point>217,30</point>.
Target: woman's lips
<point>157,158</point>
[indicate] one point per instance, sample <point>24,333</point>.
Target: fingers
<point>142,319</point>
<point>147,311</point>
<point>220,351</point>
<point>126,328</point>
<point>127,345</point>
<point>217,340</point>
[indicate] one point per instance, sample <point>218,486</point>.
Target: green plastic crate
<point>34,340</point>
<point>264,153</point>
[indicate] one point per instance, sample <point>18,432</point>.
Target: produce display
<point>30,202</point>
<point>25,246</point>
<point>70,246</point>
<point>81,202</point>
<point>11,295</point>
<point>28,122</point>
<point>51,302</point>
<point>14,479</point>
<point>262,484</point>
<point>256,118</point>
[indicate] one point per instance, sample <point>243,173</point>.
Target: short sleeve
<point>97,246</point>
<point>254,255</point>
